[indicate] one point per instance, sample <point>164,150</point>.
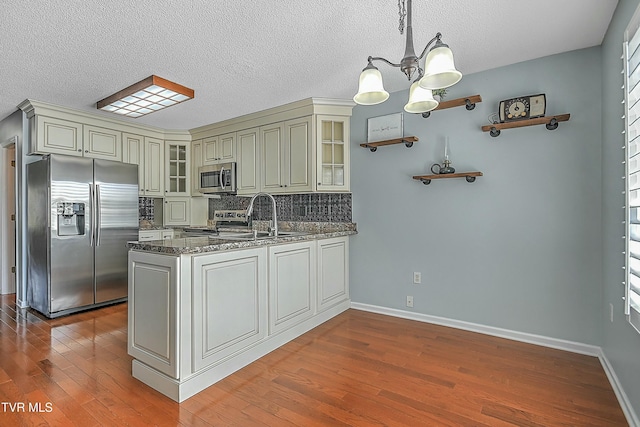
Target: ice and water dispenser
<point>70,219</point>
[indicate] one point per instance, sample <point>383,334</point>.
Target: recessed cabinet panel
<point>229,304</point>
<point>248,166</point>
<point>210,151</point>
<point>333,272</point>
<point>57,136</point>
<point>152,311</point>
<point>272,157</point>
<point>133,153</point>
<point>177,210</point>
<point>101,143</point>
<point>227,147</point>
<point>153,167</point>
<point>292,283</point>
<point>298,154</point>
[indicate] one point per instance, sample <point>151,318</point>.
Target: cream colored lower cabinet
<point>196,318</point>
<point>333,271</point>
<point>229,304</point>
<point>292,284</point>
<point>153,307</point>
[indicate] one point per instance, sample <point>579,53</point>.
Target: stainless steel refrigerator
<point>80,215</point>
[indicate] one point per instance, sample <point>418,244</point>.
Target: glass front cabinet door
<point>332,141</point>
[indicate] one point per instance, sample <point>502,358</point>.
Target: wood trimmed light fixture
<point>151,94</point>
<point>439,71</point>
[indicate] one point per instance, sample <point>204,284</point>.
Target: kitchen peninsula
<point>201,308</point>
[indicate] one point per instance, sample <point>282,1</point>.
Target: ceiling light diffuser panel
<point>151,94</point>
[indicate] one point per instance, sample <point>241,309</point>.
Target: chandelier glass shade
<point>371,90</point>
<point>420,99</point>
<point>439,72</point>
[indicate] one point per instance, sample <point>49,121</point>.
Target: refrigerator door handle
<point>98,214</point>
<point>93,214</point>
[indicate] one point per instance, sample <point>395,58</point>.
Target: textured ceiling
<point>244,56</point>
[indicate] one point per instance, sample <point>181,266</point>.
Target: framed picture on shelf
<point>384,127</point>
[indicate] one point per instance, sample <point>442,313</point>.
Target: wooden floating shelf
<point>551,123</point>
<point>407,141</point>
<point>468,101</point>
<point>426,179</point>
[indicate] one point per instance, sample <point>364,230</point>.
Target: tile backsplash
<point>145,209</point>
<point>317,207</point>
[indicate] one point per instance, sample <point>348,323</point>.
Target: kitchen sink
<point>251,235</point>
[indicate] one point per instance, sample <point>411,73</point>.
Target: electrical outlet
<point>409,301</point>
<point>611,312</point>
<point>417,277</point>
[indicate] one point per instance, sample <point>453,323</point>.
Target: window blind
<point>631,59</point>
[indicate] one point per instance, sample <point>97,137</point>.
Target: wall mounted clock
<point>522,107</point>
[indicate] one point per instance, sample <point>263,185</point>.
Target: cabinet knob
<point>86,151</point>
<point>79,150</point>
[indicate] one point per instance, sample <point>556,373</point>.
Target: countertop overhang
<point>197,245</point>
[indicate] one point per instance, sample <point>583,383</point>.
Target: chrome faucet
<point>273,230</point>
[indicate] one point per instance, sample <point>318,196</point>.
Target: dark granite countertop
<point>196,245</point>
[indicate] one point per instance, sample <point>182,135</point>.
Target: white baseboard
<point>572,346</point>
<point>623,399</point>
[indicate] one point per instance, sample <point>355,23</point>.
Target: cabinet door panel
<point>58,136</point>
<point>297,173</point>
<point>101,143</point>
<point>227,147</point>
<point>152,311</point>
<point>248,171</point>
<point>177,211</point>
<point>210,151</point>
<point>154,167</point>
<point>133,152</point>
<point>229,304</point>
<point>272,157</point>
<point>333,271</point>
<point>292,270</point>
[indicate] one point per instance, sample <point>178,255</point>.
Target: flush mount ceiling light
<point>439,71</point>
<point>151,94</point>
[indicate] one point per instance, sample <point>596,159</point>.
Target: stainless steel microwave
<point>217,179</point>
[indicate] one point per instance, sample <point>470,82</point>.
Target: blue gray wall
<point>621,344</point>
<point>533,246</point>
<point>518,249</point>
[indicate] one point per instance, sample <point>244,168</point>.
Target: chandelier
<point>439,71</point>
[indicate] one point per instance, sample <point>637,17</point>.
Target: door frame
<point>8,284</point>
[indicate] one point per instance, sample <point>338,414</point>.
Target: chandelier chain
<point>402,12</point>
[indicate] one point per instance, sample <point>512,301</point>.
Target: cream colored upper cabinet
<point>177,173</point>
<point>248,171</point>
<point>298,155</point>
<point>102,143</point>
<point>59,136</point>
<point>196,162</point>
<point>332,153</point>
<point>133,152</point>
<point>56,136</point>
<point>210,150</point>
<point>153,167</point>
<point>286,156</point>
<point>219,149</point>
<point>272,157</point>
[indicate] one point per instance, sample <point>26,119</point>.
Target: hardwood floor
<point>358,369</point>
